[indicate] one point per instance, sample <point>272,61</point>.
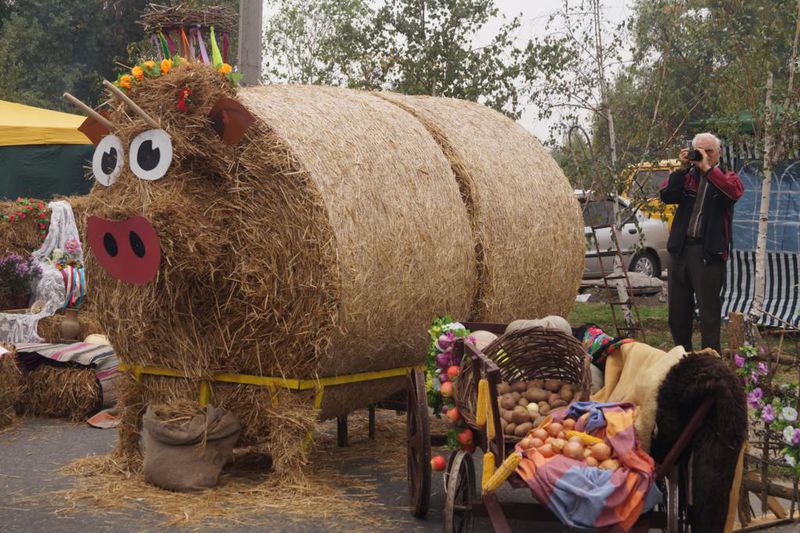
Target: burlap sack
<point>188,455</point>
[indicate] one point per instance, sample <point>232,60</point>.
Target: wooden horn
<point>89,111</point>
<point>124,97</point>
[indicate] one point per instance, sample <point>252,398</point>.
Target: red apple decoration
<point>453,414</point>
<point>465,437</point>
<point>447,389</point>
<point>452,372</point>
<point>438,463</point>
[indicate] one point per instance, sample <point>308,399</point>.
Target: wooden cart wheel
<point>671,504</point>
<point>460,494</point>
<point>418,444</point>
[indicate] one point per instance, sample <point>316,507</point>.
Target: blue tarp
<point>783,233</point>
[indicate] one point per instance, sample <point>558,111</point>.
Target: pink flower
<point>768,414</point>
<point>763,369</point>
<point>754,398</point>
<point>738,360</point>
<point>754,378</point>
<point>796,437</point>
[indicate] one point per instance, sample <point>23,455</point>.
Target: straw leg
<point>341,430</point>
<point>372,422</point>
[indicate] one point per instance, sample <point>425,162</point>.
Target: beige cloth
<point>634,372</point>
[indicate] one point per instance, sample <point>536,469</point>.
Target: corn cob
<point>483,402</point>
<point>502,473</point>
<point>586,439</point>
<point>489,423</point>
<point>488,468</point>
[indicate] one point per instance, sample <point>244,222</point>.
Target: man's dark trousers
<point>692,278</point>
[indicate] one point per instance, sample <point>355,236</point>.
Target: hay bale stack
<point>58,390</point>
<point>321,244</point>
<point>18,237</point>
<point>10,386</point>
<point>526,221</point>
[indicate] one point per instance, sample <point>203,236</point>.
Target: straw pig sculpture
<point>307,232</point>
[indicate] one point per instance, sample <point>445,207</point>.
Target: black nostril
<point>110,244</point>
<point>136,244</point>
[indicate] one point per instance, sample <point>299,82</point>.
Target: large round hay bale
<point>526,221</point>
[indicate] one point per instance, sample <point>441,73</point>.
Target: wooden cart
<point>462,503</point>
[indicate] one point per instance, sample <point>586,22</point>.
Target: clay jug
<point>70,327</point>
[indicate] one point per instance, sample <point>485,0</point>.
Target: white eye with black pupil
<point>151,154</point>
<point>107,160</point>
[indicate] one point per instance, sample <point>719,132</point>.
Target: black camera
<point>694,155</point>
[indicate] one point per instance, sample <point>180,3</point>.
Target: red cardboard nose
<point>129,250</point>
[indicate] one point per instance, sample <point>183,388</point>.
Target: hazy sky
<point>535,14</point>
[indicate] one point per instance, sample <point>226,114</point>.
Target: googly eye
<point>107,160</point>
<point>151,154</point>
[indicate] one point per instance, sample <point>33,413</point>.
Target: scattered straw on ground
<point>335,485</point>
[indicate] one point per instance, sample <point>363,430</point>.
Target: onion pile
<point>554,440</point>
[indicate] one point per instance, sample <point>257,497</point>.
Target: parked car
<point>643,237</point>
<point>642,183</point>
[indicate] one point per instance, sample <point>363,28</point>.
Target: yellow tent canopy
<point>25,125</point>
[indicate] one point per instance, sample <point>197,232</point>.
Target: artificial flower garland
<point>442,379</point>
<point>30,208</point>
<point>776,413</point>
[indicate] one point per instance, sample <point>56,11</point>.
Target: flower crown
<point>153,69</point>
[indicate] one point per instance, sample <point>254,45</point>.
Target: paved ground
<point>31,454</point>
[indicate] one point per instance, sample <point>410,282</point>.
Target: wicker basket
<point>524,355</point>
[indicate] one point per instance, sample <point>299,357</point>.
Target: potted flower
<point>17,274</point>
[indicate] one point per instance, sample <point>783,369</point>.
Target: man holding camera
<point>699,239</point>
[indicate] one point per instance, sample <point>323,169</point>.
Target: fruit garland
<point>442,379</point>
<point>30,208</point>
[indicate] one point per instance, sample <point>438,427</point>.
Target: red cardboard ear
<point>94,130</point>
<point>230,120</point>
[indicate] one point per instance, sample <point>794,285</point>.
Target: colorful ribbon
<point>157,45</point>
<point>188,48</point>
<point>217,57</point>
<point>164,45</point>
<point>172,48</point>
<point>201,42</point>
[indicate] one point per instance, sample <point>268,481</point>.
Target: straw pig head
<point>159,174</point>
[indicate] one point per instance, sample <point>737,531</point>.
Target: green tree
<point>51,46</point>
<point>430,49</point>
<point>409,46</point>
<point>701,65</point>
<point>318,41</point>
<point>48,47</point>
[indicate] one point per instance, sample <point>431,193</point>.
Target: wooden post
<point>251,32</point>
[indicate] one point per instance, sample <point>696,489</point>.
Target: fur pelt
<point>716,444</point>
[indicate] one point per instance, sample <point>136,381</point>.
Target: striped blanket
<point>782,295</point>
<point>590,498</point>
<point>99,356</point>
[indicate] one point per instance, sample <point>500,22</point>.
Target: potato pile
<point>524,404</point>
